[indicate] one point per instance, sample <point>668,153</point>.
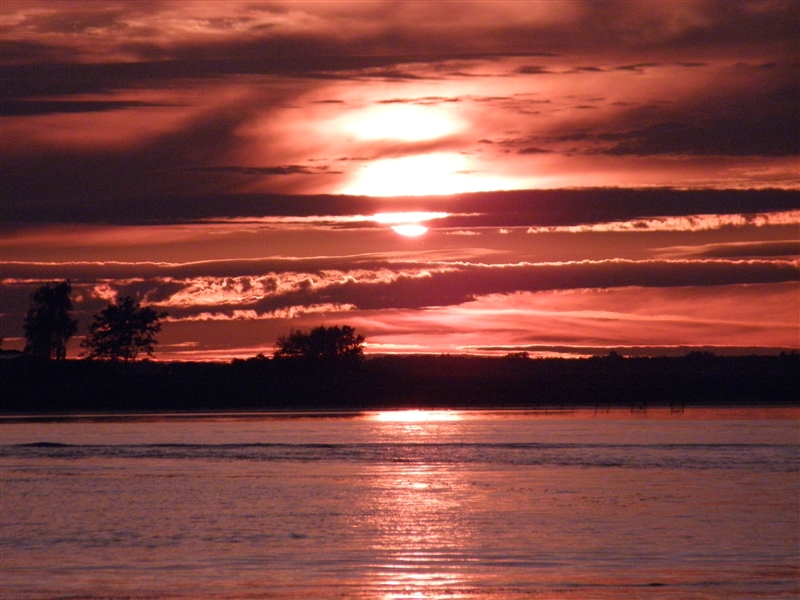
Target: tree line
<point>125,330</point>
<point>397,381</point>
<point>323,369</point>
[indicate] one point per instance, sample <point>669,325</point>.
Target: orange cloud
<point>731,319</point>
<point>732,316</point>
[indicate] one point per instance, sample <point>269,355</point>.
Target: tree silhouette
<point>122,331</point>
<point>321,343</point>
<point>49,325</point>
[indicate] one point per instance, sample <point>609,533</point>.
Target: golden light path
<point>422,535</point>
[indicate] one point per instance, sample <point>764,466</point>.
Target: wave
<point>763,457</point>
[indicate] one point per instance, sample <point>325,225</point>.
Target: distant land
<point>445,381</point>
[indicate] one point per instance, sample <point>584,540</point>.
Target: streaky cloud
<point>276,170</point>
<point>23,108</point>
<point>757,249</point>
<point>682,223</point>
<point>417,285</point>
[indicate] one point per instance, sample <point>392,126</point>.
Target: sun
<point>408,224</point>
<point>384,131</point>
<point>410,229</point>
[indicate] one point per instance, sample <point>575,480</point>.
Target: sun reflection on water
<point>416,416</point>
<point>419,524</point>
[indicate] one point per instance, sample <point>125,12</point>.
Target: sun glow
<point>420,175</point>
<point>402,122</point>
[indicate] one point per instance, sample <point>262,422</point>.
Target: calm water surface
<point>493,505</point>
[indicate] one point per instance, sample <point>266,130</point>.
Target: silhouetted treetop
<point>49,325</point>
<point>321,343</point>
<point>122,331</point>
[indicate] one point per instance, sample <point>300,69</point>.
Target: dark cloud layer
<point>382,35</point>
<point>276,170</point>
<point>22,108</point>
<point>100,58</point>
<point>373,286</point>
<point>761,121</point>
<point>464,284</point>
<point>501,209</point>
<point>301,58</point>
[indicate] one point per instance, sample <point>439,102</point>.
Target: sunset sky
<point>557,177</point>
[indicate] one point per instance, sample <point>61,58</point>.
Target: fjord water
<point>442,504</point>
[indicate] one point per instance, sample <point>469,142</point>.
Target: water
<point>492,505</point>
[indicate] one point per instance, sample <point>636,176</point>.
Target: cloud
<point>759,249</point>
<point>533,70</point>
<point>116,104</point>
<point>171,28</point>
<point>18,108</point>
<point>249,312</point>
<point>637,67</point>
<point>523,208</point>
<point>653,321</point>
<point>292,312</point>
<point>752,112</point>
<point>769,135</point>
<point>459,284</point>
<point>739,319</point>
<point>391,285</point>
<point>533,150</point>
<point>681,223</point>
<point>277,170</point>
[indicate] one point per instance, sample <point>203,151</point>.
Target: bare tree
<point>49,323</point>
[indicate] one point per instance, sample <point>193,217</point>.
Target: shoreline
<point>442,382</point>
<point>695,412</point>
